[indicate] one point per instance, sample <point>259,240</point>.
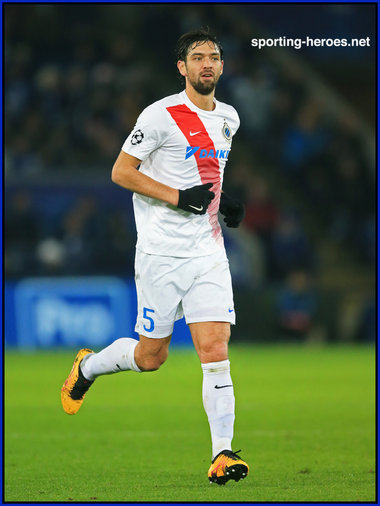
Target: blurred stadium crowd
<point>73,94</point>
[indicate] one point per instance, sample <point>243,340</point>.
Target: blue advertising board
<point>73,312</point>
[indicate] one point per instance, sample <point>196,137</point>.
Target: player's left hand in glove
<point>232,210</point>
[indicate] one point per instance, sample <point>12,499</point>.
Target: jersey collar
<point>193,107</point>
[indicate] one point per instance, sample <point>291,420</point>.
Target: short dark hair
<point>202,35</point>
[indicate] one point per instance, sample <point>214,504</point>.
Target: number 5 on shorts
<point>147,317</point>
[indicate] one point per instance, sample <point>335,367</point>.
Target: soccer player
<point>173,161</point>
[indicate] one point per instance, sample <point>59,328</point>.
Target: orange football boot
<point>76,385</point>
<point>227,465</point>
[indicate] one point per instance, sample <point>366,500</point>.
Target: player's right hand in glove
<point>196,199</point>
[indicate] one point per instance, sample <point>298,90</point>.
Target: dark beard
<point>203,89</point>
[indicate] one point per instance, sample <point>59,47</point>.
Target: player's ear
<point>181,66</point>
<point>221,70</point>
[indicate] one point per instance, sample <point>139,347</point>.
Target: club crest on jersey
<point>207,153</point>
<point>226,131</point>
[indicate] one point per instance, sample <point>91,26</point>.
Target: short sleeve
<point>237,121</point>
<point>148,134</point>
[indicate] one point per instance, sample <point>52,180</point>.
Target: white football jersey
<point>181,146</point>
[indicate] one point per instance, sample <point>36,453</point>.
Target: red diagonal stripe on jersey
<point>208,167</point>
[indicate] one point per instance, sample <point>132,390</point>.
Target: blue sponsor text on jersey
<point>204,153</point>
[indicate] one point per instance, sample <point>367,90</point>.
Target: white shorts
<point>168,288</point>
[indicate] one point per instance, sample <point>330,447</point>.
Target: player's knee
<point>214,350</point>
<point>153,362</point>
<point>215,353</point>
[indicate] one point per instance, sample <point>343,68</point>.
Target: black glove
<point>196,199</point>
<point>232,209</point>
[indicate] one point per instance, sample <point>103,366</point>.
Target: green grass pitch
<point>305,421</point>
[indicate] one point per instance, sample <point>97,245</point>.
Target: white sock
<point>118,356</point>
<point>219,404</point>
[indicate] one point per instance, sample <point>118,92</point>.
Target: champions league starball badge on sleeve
<point>137,137</point>
<point>226,131</point>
